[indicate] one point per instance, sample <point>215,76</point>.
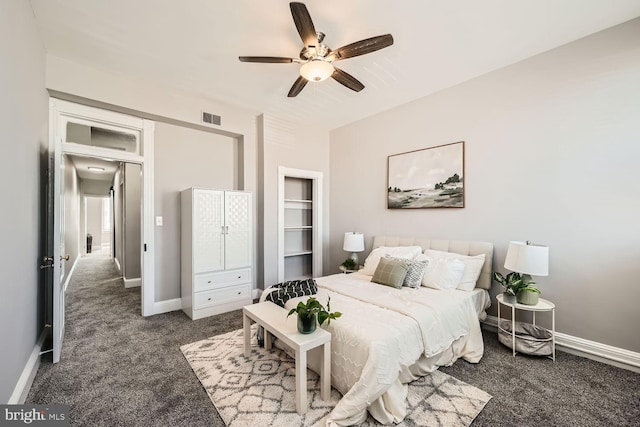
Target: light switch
<point>159,221</point>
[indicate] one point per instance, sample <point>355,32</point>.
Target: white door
<point>55,260</point>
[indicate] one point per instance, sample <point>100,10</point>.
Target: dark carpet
<point>120,369</point>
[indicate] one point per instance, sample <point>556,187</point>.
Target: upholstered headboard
<point>462,247</point>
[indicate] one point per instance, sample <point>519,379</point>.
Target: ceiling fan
<point>316,58</point>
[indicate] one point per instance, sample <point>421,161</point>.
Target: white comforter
<point>388,337</point>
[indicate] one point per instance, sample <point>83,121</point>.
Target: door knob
<point>64,258</point>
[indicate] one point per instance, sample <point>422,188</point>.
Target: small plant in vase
<point>518,288</point>
<point>311,310</point>
<point>349,264</point>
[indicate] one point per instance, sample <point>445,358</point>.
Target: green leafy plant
<point>349,264</point>
<point>514,283</point>
<point>313,306</point>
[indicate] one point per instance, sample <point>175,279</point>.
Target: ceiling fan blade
<point>347,80</point>
<point>298,85</point>
<point>362,47</point>
<point>265,59</point>
<point>304,24</point>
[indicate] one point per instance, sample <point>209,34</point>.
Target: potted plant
<point>311,311</point>
<point>518,288</point>
<point>349,264</point>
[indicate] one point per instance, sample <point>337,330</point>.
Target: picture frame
<point>427,178</point>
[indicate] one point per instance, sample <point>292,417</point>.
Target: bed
<point>388,337</point>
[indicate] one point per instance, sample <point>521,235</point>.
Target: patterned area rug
<point>260,391</point>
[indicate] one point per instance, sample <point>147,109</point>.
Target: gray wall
<point>23,120</point>
<point>132,220</point>
<point>94,187</point>
<point>71,214</point>
<point>94,221</point>
<point>184,158</point>
<point>552,150</point>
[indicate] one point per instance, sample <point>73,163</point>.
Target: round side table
<point>542,305</point>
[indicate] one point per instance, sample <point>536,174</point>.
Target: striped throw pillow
<point>415,272</point>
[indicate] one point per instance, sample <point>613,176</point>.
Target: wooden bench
<point>274,320</point>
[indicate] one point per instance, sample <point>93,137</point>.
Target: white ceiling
<point>82,165</point>
<point>194,45</point>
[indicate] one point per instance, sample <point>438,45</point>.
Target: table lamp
<point>353,242</point>
<point>527,259</point>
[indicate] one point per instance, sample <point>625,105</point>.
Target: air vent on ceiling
<point>209,118</point>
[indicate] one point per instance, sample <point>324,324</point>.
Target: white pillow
<point>472,267</point>
<point>443,273</point>
<point>404,252</point>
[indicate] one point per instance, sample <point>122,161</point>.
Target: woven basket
<point>530,339</point>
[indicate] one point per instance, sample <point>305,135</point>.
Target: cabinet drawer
<point>221,296</point>
<point>203,282</point>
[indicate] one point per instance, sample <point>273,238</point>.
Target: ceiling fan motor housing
<point>309,53</point>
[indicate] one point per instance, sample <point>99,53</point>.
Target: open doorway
<point>97,225</point>
<point>87,132</point>
<point>102,213</point>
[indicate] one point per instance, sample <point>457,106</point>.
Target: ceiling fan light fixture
<point>316,70</point>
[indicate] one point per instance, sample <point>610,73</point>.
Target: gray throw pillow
<point>415,272</point>
<point>390,272</point>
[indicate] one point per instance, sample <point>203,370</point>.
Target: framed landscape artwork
<point>428,178</point>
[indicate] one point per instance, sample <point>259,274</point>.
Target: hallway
<point>118,368</point>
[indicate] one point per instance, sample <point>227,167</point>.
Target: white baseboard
<point>115,260</point>
<point>166,306</point>
<point>604,353</point>
<point>29,372</point>
<point>73,267</point>
<point>132,283</point>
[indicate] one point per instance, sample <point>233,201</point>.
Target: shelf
<point>298,200</point>
<point>542,305</point>
<point>298,227</point>
<point>298,204</point>
<point>297,254</point>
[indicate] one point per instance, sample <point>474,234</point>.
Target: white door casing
<point>61,112</point>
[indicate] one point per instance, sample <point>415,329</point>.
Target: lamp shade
<point>317,70</point>
<point>527,258</point>
<point>353,242</point>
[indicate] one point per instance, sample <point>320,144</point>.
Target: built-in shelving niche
<point>300,247</point>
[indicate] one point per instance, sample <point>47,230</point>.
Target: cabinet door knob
<point>208,299</point>
<point>209,281</point>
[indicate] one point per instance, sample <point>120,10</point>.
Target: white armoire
<point>216,251</point>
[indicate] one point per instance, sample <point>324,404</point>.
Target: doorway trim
<point>65,111</point>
